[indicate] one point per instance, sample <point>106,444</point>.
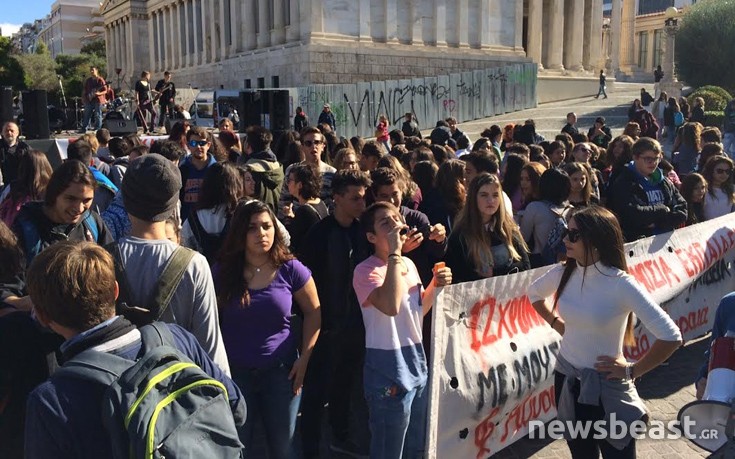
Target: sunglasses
<point>723,171</point>
<point>198,143</point>
<point>311,143</point>
<point>573,235</point>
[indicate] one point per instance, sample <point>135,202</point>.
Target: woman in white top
<point>720,194</point>
<point>593,380</point>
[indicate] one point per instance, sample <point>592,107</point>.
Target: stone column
<point>535,31</point>
<point>235,19</point>
<point>264,36</point>
<point>615,29</point>
<point>151,45</point>
<point>161,21</point>
<point>366,29</point>
<point>556,34</point>
<point>440,22</point>
<point>205,26</point>
<point>417,21</point>
<point>223,48</point>
<point>187,34</point>
<point>177,32</point>
<point>461,23</point>
<point>391,22</point>
<point>248,23</point>
<point>124,43</point>
<point>213,32</point>
<point>278,34</point>
<point>118,46</point>
<point>292,31</point>
<point>196,23</point>
<point>404,21</point>
<point>627,35</point>
<point>573,34</point>
<point>592,58</point>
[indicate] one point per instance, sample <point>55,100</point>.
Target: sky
<point>26,11</point>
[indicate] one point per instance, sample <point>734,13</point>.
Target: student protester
<point>571,128</point>
<point>687,146</point>
<point>64,214</point>
<point>208,223</point>
<point>300,120</point>
<point>331,250</point>
<point>231,143</point>
<point>593,380</point>
<point>371,154</point>
<point>644,200</point>
<point>119,149</point>
<point>393,303</point>
<point>194,167</point>
<point>381,133</point>
<point>257,283</point>
<point>486,241</point>
<point>483,161</point>
<point>618,155</point>
<point>580,193</point>
<point>346,158</point>
<point>585,152</point>
<point>64,415</point>
<point>697,115</point>
<point>34,173</point>
<point>103,140</point>
<point>179,132</point>
<point>530,179</point>
<point>150,194</point>
<point>556,152</point>
<point>539,217</point>
<point>720,197</point>
<point>443,202</point>
<point>511,175</point>
<point>693,190</point>
<point>105,190</point>
<point>305,183</point>
<point>411,192</point>
<point>724,325</point>
<point>264,166</point>
<point>409,127</point>
<point>599,134</point>
<point>708,151</point>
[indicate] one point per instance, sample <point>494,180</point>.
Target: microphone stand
<point>63,96</point>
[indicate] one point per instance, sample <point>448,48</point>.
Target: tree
<point>74,70</point>
<point>11,73</point>
<point>39,69</point>
<point>96,48</point>
<point>705,44</point>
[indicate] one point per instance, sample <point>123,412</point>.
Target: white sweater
<point>595,312</point>
<point>717,205</point>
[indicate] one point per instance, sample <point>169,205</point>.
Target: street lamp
<point>669,84</point>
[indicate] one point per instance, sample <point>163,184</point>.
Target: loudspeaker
<point>120,127</point>
<point>6,104</point>
<point>280,120</point>
<point>35,114</point>
<point>251,107</point>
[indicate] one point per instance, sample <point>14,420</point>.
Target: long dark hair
<point>695,210</point>
<point>222,185</point>
<point>512,175</point>
<point>600,230</point>
<point>34,173</point>
<point>230,282</point>
<point>10,252</point>
<point>449,182</point>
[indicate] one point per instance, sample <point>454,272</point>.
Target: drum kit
<point>712,419</point>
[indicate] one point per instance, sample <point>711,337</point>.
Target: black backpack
<point>161,296</point>
<point>208,242</point>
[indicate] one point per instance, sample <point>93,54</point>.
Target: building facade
<point>282,43</point>
<point>67,24</point>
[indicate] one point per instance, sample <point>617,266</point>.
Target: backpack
<point>161,295</point>
<point>32,238</point>
<point>10,208</point>
<point>678,119</point>
<point>162,405</point>
<point>209,243</point>
<point>555,247</point>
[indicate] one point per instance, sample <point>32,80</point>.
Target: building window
<point>274,82</point>
<point>271,17</point>
<point>261,82</point>
<point>256,15</point>
<point>643,49</point>
<point>228,22</point>
<point>287,12</point>
<point>658,47</point>
<point>248,83</point>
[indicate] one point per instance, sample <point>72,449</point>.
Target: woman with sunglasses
<point>486,241</point>
<point>257,281</point>
<point>592,378</point>
<point>720,194</point>
<point>645,201</point>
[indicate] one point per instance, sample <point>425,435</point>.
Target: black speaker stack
<point>35,115</point>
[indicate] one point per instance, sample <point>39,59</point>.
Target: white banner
<point>493,356</point>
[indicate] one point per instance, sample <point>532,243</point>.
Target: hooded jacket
<point>268,175</point>
<point>630,198</point>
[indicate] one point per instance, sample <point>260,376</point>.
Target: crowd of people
<point>299,272</point>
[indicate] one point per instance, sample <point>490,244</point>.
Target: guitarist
<point>93,96</point>
<point>144,99</point>
<point>165,94</point>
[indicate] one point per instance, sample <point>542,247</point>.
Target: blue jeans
<point>397,422</point>
<point>89,108</point>
<point>601,91</point>
<point>728,141</point>
<point>269,397</point>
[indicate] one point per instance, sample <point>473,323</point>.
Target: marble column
<point>615,29</point>
<point>391,21</point>
<point>123,47</point>
<point>248,24</point>
<point>440,22</point>
<point>556,34</point>
<point>574,35</point>
<point>264,36</point>
<point>118,47</point>
<point>596,59</point>
<point>235,19</point>
<point>213,32</point>
<point>278,34</point>
<point>366,24</point>
<point>404,21</point>
<point>223,47</point>
<point>110,48</point>
<point>151,44</point>
<point>535,31</point>
<point>627,35</point>
<point>174,36</point>
<point>292,31</point>
<point>417,22</point>
<point>161,20</point>
<point>461,23</point>
<point>187,34</point>
<point>196,23</point>
<point>205,25</point>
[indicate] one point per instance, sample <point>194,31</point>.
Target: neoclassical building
<point>283,43</point>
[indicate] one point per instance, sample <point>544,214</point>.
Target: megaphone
<point>708,418</point>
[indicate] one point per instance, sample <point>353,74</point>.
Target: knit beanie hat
<point>150,188</point>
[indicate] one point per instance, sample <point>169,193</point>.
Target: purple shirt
<point>259,334</point>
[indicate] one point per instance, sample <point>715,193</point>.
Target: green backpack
<point>162,405</point>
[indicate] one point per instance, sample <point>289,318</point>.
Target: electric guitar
<point>158,94</point>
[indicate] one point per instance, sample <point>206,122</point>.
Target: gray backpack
<point>161,406</point>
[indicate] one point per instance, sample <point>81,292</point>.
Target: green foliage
<point>712,100</point>
<point>717,90</point>
<point>96,48</point>
<point>11,73</point>
<point>714,118</point>
<point>39,69</point>
<point>705,44</point>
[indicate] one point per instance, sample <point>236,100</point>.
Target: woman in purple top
<point>257,282</point>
